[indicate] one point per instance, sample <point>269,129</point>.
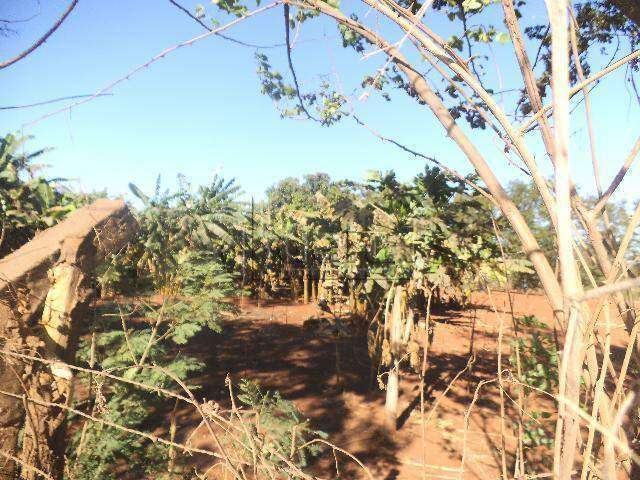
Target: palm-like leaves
<point>173,222</point>
<point>28,202</point>
<point>430,232</point>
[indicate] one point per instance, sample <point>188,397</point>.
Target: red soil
<point>269,345</point>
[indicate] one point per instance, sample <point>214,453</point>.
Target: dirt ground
<point>268,344</point>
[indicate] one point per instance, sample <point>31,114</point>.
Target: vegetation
<point>380,252</point>
<point>379,258</point>
<point>28,202</point>
<point>535,359</point>
<point>341,244</point>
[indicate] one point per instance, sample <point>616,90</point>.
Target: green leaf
<point>471,5</point>
<point>140,194</point>
<point>184,332</point>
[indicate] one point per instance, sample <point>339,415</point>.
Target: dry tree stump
<point>45,289</point>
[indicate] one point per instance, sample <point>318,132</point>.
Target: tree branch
<point>531,84</point>
<point>155,59</point>
<point>42,39</point>
<point>577,88</point>
<point>53,100</point>
<point>293,72</point>
<point>226,37</point>
<point>422,89</point>
<point>618,179</point>
<point>609,289</point>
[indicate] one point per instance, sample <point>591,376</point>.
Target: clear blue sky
<point>200,108</point>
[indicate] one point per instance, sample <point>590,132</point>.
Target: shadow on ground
<point>343,401</point>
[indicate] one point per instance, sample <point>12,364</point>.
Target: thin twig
<point>109,423</point>
<point>42,39</point>
<point>447,169</point>
<point>290,62</point>
<point>466,424</point>
<point>25,465</point>
<point>226,37</point>
<point>53,100</point>
<point>578,87</point>
<point>154,59</point>
<point>617,179</point>
<point>608,289</point>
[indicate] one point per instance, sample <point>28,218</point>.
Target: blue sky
<point>199,110</point>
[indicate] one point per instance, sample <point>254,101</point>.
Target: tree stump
<point>45,289</point>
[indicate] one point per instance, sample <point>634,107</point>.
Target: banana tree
<point>28,201</point>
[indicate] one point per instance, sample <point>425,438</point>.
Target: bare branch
<point>54,100</point>
<point>531,85</point>
<point>609,289</point>
<point>573,27</point>
<point>617,179</point>
<point>226,37</point>
<point>290,61</point>
<point>25,465</point>
<point>154,59</point>
<point>42,39</point>
<point>577,88</point>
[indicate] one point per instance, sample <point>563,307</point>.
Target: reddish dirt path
<point>269,345</point>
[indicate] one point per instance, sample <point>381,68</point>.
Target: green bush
<point>28,201</point>
<point>538,369</point>
<point>278,426</point>
<point>198,303</point>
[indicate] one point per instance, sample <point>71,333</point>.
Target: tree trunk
<point>295,294</point>
<point>305,285</point>
<point>395,343</point>
<point>11,414</point>
<point>321,293</point>
<point>44,440</point>
<point>567,423</point>
<point>314,290</point>
<point>352,297</point>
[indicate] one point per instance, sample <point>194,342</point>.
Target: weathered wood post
<point>45,288</point>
